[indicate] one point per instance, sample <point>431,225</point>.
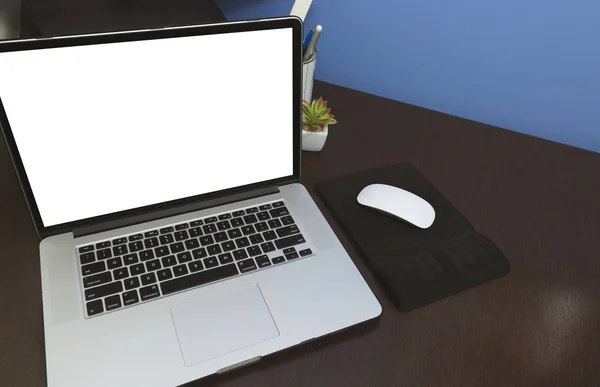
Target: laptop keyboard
<point>138,268</point>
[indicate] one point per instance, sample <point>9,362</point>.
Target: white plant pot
<point>314,141</point>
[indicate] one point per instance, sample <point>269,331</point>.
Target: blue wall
<point>529,66</point>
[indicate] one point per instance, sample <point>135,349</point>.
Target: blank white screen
<point>110,127</point>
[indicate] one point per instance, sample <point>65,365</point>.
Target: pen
<point>307,39</point>
<point>310,49</point>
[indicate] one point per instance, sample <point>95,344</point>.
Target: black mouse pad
<point>415,266</point>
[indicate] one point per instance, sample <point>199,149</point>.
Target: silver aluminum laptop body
<point>283,300</point>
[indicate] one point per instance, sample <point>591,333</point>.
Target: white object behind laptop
<point>158,143</point>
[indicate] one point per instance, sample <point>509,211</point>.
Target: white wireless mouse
<point>398,203</point>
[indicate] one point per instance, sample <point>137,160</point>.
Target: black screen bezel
<point>128,36</point>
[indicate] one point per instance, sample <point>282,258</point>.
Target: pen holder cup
<point>308,76</point>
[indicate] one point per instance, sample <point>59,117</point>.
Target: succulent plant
<point>316,114</point>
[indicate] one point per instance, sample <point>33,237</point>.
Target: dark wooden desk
<point>539,201</point>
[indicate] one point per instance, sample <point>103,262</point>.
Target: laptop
<point>161,169</point>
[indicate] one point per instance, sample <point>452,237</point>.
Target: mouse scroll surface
<point>399,203</point>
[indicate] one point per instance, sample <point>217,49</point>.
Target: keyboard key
<point>305,252</point>
<point>195,232</point>
<point>164,274</point>
<point>166,239</point>
<point>235,233</point>
<point>184,257</point>
<point>224,216</point>
<point>269,235</point>
<point>120,273</point>
<point>238,213</point>
<point>104,254</point>
<point>247,230</point>
<point>138,269</point>
<point>113,263</point>
<point>262,226</point>
<point>152,233</point>
<point>162,251</point>
<point>250,219</point>
<point>277,212</point>
<point>148,278</point>
<point>289,250</point>
<point>181,235</point>
<point>130,298</point>
<point>287,231</point>
<point>274,223</point>
<point>213,249</point>
<point>264,207</point>
<point>196,223</point>
<point>197,279</point>
<point>209,228</point>
<point>211,219</point>
<point>199,253</point>
<point>93,268</point>
<point>135,237</point>
<point>180,270</point>
<point>112,302</point>
<point>224,225</point>
<point>225,258</point>
<point>120,250</point>
<point>242,242</point>
<point>131,283</point>
<point>97,279</point>
<point>152,242</point>
<point>256,238</point>
<point>149,292</point>
<point>228,246</point>
<point>102,245</point>
<point>206,240</point>
<point>177,247</point>
<point>289,241</point>
<point>263,261</point>
<point>268,247</point>
<point>291,256</point>
<point>87,258</point>
<point>153,265</point>
<point>94,307</point>
<point>211,262</point>
<point>240,254</point>
<point>166,230</point>
<point>220,236</point>
<point>136,246</point>
<point>287,220</point>
<point>169,261</point>
<point>246,265</point>
<point>254,251</point>
<point>277,204</point>
<point>119,241</point>
<point>146,255</point>
<point>251,210</point>
<point>279,259</point>
<point>104,290</point>
<point>130,259</point>
<point>195,266</point>
<point>263,215</point>
<point>236,222</point>
<point>182,226</point>
<point>85,249</point>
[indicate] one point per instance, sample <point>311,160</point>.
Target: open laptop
<point>161,168</point>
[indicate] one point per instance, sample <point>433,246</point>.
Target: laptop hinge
<point>141,218</point>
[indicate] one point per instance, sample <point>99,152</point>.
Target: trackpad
<point>223,324</point>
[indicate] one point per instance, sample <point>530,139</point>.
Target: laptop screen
<point>104,128</point>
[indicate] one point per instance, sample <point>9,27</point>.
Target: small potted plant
<point>316,118</point>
